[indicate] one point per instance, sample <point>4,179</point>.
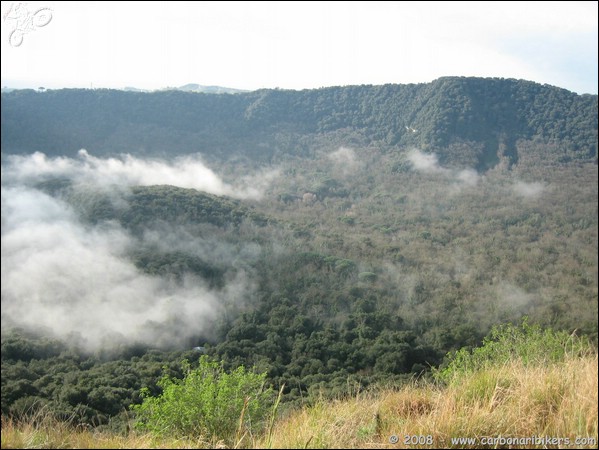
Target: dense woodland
<point>265,125</point>
<point>366,271</point>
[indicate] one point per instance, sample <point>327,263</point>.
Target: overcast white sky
<point>297,45</point>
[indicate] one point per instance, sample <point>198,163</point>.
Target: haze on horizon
<point>298,45</point>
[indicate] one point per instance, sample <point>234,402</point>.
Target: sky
<point>295,45</point>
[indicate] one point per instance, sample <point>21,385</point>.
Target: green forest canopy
<point>373,278</point>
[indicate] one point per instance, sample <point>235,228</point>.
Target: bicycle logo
<point>25,21</point>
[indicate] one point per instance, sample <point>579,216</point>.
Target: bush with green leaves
<point>507,343</point>
<point>209,403</point>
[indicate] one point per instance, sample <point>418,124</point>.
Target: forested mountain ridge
<point>162,203</point>
<point>398,223</point>
<point>491,113</point>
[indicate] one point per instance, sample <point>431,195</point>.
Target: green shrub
<point>506,343</point>
<point>369,277</point>
<point>208,402</point>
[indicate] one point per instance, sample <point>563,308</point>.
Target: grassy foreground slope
<point>510,402</point>
<point>523,388</point>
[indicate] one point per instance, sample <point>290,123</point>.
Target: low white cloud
<point>424,162</point>
<point>469,177</point>
<point>512,297</point>
<point>345,161</point>
<point>77,280</point>
<point>428,163</point>
<point>528,190</point>
<point>185,172</point>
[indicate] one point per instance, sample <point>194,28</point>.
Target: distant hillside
<point>194,87</point>
<point>142,208</point>
<point>489,116</point>
<point>164,203</point>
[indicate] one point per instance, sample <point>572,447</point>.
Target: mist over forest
<point>336,237</point>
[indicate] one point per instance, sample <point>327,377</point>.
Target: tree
<point>208,403</point>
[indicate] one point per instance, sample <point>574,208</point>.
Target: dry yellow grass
<point>48,433</point>
<point>555,401</point>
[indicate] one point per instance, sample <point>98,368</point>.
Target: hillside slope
<point>387,226</point>
<point>489,114</point>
